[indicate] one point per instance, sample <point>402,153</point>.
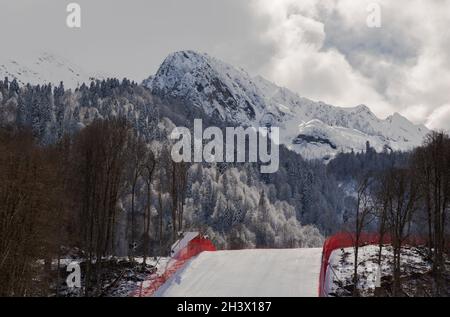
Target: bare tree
<point>136,157</point>
<point>160,211</point>
<point>148,169</point>
<point>30,196</point>
<point>403,196</point>
<point>182,179</point>
<point>100,153</point>
<point>422,165</point>
<point>178,193</point>
<point>363,216</point>
<point>434,169</point>
<point>381,205</point>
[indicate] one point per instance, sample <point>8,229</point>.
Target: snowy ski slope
<point>242,273</point>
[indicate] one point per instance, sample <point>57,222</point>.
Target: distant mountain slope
<point>228,94</point>
<point>313,129</point>
<point>46,68</point>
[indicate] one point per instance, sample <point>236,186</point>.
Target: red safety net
<point>346,240</point>
<point>155,281</point>
<point>194,247</point>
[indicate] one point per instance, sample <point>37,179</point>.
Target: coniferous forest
<point>89,171</point>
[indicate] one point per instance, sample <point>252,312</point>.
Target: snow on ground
<point>341,267</point>
<point>121,277</point>
<point>245,273</point>
<point>133,278</point>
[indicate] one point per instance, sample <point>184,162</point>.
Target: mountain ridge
<point>314,129</point>
<point>233,95</point>
<point>46,68</point>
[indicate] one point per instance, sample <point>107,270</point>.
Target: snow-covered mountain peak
<point>313,129</point>
<point>397,118</point>
<point>361,109</point>
<point>43,69</point>
<point>206,82</point>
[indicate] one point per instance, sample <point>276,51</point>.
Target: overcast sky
<point>321,49</point>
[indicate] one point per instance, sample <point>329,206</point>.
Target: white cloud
<point>321,49</point>
<point>440,118</point>
<point>324,50</point>
<point>301,63</point>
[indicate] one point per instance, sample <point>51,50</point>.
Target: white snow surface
<point>233,95</point>
<point>247,273</point>
<point>44,69</point>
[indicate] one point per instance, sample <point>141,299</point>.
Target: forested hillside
<point>90,170</point>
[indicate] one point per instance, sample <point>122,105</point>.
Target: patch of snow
<point>243,273</point>
<point>341,268</point>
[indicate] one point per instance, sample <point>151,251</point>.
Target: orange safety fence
<point>155,281</point>
<point>194,247</point>
<point>346,240</point>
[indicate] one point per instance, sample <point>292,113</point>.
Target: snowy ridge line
<point>315,130</point>
<point>46,68</point>
<point>346,240</point>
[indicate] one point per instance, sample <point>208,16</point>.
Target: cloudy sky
<point>322,49</point>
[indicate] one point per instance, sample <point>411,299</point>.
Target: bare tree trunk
<point>133,238</point>
<point>174,201</point>
<point>147,225</point>
<point>364,206</point>
<point>160,216</point>
<point>149,168</point>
